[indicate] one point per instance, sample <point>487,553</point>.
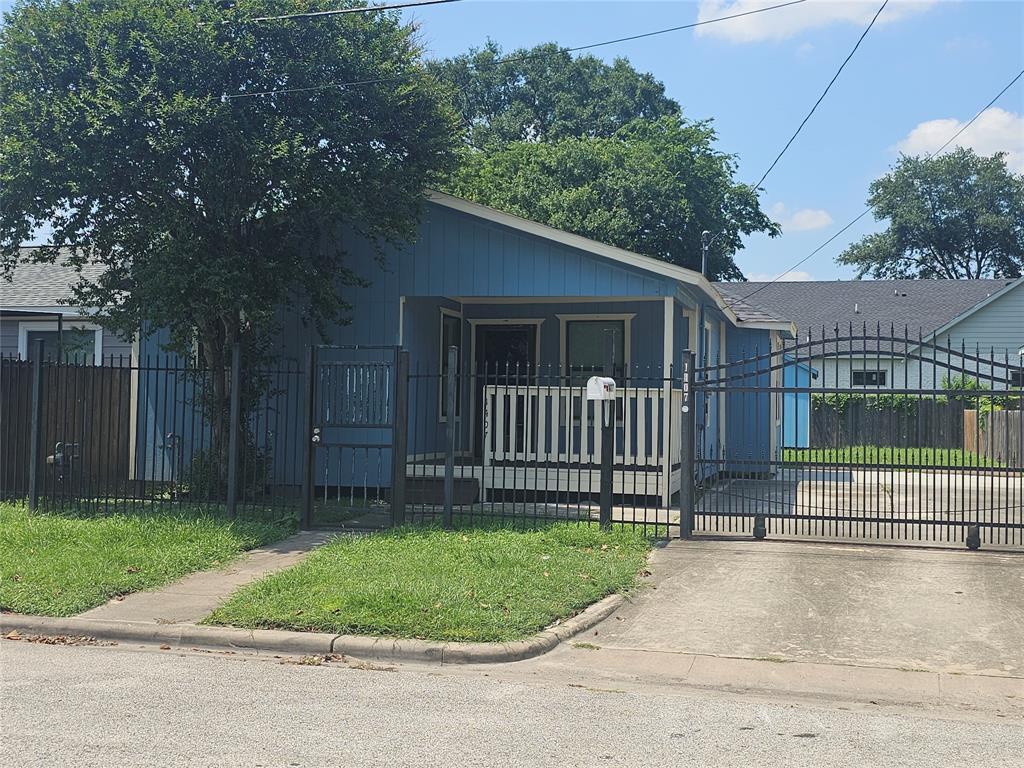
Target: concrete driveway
<point>895,607</point>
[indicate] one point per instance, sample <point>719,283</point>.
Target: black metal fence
<point>349,436</point>
<point>138,434</point>
<point>861,434</point>
<point>355,437</point>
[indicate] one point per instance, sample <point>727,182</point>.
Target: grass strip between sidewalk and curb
<point>62,564</point>
<point>470,584</point>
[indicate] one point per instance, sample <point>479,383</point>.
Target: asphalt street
<point>114,706</point>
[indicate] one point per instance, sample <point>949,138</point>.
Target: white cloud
<point>995,130</point>
<point>801,220</point>
<point>794,276</point>
<point>786,22</point>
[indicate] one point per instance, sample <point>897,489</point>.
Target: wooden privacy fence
<point>996,435</point>
<point>86,408</point>
<point>927,423</point>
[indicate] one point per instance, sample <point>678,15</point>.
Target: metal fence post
<point>687,494</point>
<point>449,454</point>
<point>607,434</point>
<point>35,435</point>
<point>399,437</point>
<point>235,395</point>
<point>308,444</point>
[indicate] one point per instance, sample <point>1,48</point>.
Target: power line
<point>338,12</point>
<point>823,93</point>
<point>525,57</point>
<point>969,122</point>
<point>866,211</point>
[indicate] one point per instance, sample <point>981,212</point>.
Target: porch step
<point>430,490</point>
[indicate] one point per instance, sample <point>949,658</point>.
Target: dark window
<point>584,348</point>
<point>71,343</point>
<point>1017,378</point>
<point>451,336</point>
<point>868,378</point>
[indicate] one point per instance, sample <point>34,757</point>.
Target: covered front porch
<point>523,424</point>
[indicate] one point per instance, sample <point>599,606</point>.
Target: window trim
<point>66,324</point>
<point>442,417</point>
<point>563,335</point>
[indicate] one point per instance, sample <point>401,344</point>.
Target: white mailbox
<point>600,388</point>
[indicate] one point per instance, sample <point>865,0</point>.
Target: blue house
<point>528,307</point>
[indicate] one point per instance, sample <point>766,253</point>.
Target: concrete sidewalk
<point>195,596</point>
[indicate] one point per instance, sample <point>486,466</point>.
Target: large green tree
<point>958,215</point>
<point>651,187</point>
<point>545,93</point>
<point>597,149</point>
<point>119,127</point>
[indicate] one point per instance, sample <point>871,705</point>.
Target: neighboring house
<point>974,318</point>
<point>32,309</point>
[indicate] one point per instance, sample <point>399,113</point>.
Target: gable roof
<point>919,306</point>
<point>757,319</point>
<point>1012,285</point>
<point>41,286</point>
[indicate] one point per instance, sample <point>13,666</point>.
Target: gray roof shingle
<point>41,285</point>
<point>917,305</point>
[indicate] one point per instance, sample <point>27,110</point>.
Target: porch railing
<point>556,424</point>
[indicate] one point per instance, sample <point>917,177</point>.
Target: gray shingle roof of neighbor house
<point>920,306</point>
<point>40,285</point>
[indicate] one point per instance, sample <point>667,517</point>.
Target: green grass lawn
<point>874,455</point>
<point>481,584</point>
<point>63,564</point>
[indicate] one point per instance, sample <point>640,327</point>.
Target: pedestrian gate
<point>355,471</point>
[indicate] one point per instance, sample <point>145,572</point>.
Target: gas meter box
<point>600,388</point>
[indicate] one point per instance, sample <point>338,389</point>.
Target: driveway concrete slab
<point>896,607</point>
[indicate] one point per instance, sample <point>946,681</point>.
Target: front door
<point>505,354</point>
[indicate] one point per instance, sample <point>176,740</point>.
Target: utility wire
<point>524,57</point>
<point>866,211</point>
<point>337,12</point>
<point>823,93</point>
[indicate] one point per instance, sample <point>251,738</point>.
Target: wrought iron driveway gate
<point>861,434</point>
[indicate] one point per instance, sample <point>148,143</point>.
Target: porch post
<point>687,491</point>
<point>607,434</point>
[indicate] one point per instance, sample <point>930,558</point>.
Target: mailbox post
<point>602,389</point>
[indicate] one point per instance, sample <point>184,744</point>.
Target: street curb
<point>310,643</point>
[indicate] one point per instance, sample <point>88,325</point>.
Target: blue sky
<point>924,68</point>
<point>758,77</point>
